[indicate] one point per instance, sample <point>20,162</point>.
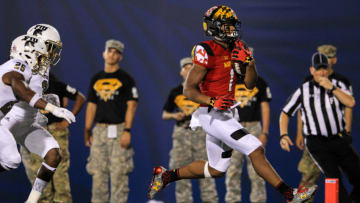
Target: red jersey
<point>220,79</point>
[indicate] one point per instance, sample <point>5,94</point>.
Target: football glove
<point>221,103</point>
<point>240,57</point>
<point>60,112</point>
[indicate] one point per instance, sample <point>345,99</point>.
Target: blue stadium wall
<point>157,34</point>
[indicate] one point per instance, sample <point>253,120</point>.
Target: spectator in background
<point>112,101</point>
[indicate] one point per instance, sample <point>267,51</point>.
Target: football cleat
<point>303,193</point>
<point>157,182</point>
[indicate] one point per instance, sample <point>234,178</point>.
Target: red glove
<point>221,103</point>
<point>240,57</point>
<point>241,52</point>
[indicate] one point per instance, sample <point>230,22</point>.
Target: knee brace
<point>206,170</point>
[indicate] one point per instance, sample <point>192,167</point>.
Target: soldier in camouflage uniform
<point>310,173</point>
<point>112,101</point>
<point>254,103</point>
<point>58,190</point>
<point>188,145</point>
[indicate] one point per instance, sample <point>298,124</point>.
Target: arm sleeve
<point>91,92</point>
<point>131,90</point>
<point>265,94</point>
<point>66,89</point>
<point>293,103</point>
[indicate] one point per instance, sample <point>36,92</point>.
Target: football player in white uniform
<point>21,120</point>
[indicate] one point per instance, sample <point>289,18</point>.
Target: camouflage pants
<point>58,189</point>
<point>233,174</point>
<point>108,160</point>
<point>309,171</point>
<point>188,146</point>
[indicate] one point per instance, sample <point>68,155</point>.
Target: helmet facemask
<point>42,63</point>
<point>54,49</point>
<point>228,31</point>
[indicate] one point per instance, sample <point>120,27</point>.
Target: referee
<point>322,102</point>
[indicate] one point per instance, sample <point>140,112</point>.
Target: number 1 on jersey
<point>231,79</point>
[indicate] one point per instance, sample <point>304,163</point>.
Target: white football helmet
<point>51,36</point>
<point>31,50</point>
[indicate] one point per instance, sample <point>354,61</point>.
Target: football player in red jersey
<point>217,63</point>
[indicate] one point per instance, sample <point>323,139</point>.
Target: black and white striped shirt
<point>321,112</point>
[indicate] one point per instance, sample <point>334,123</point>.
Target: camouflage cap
<point>327,49</point>
<point>185,61</point>
<point>116,44</point>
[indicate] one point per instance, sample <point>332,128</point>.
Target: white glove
<point>60,112</point>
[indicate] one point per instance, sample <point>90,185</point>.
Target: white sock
<point>36,191</point>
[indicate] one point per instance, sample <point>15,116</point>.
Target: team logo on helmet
<point>30,41</point>
<point>225,13</point>
<point>39,29</point>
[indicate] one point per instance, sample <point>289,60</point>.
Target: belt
<point>338,135</point>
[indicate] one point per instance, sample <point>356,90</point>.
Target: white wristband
<point>34,99</point>
<point>50,107</point>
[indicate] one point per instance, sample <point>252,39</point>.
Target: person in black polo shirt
<point>322,101</point>
<point>112,101</point>
<point>59,189</point>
